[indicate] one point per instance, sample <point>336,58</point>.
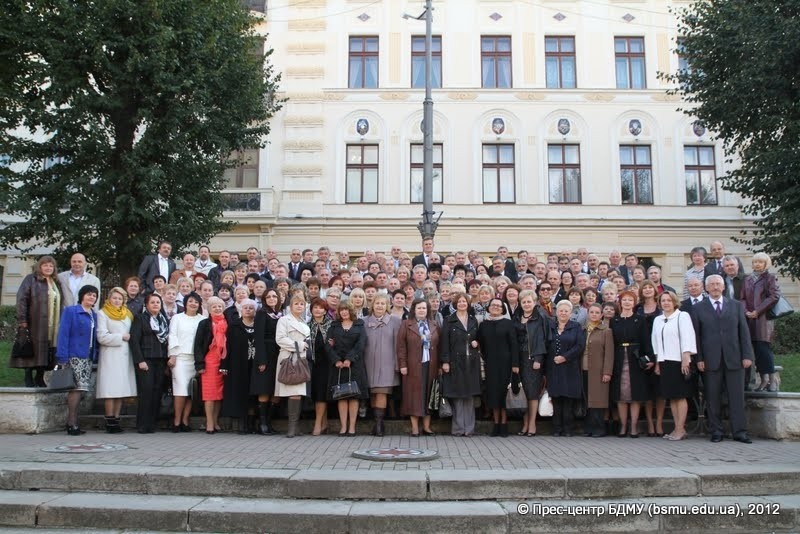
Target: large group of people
<point>607,341</point>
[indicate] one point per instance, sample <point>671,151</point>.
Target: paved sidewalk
<point>331,452</point>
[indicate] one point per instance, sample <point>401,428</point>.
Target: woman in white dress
<point>116,378</point>
<point>182,330</point>
<point>291,334</point>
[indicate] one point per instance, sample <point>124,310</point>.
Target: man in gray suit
<point>724,351</point>
<point>73,280</point>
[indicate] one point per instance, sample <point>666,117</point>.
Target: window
<point>363,63</point>
<point>244,175</point>
<point>496,62</point>
<point>683,63</point>
<point>564,171</point>
<point>559,55</point>
<point>629,52</point>
<point>417,172</point>
<point>636,174</point>
<point>498,173</point>
<point>701,175</point>
<point>418,62</point>
<point>362,174</point>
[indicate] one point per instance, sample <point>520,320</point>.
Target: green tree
<point>743,82</point>
<point>119,118</point>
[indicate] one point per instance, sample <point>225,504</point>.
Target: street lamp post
<point>427,227</point>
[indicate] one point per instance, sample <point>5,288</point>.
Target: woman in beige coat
<point>597,365</point>
<point>291,334</point>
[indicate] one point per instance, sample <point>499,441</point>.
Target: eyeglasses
<point>545,289</point>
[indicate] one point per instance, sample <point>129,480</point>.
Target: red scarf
<point>219,329</point>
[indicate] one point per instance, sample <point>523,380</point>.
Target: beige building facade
<point>552,131</point>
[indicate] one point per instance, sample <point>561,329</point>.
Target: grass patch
<point>9,377</point>
<point>790,376</point>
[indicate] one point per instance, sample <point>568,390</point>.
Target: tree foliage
<point>743,82</point>
<point>119,118</point>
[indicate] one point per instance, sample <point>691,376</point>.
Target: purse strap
<point>349,375</point>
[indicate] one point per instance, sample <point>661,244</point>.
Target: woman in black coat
<point>240,365</point>
<point>320,367</point>
<point>564,377</point>
<point>631,384</point>
<point>148,344</point>
<point>347,338</point>
<point>262,381</point>
<point>461,365</point>
<point>499,348</point>
<point>533,335</point>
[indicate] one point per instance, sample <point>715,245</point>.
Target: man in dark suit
<point>724,351</point>
<point>223,264</point>
<point>696,295</point>
<point>626,271</point>
<point>734,279</point>
<point>295,264</point>
<point>427,250</point>
<point>158,263</point>
<point>716,260</point>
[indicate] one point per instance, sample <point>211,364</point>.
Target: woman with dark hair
<point>240,366</point>
<point>347,338</point>
<point>461,365</point>
<point>182,331</point>
<point>262,382</point>
<point>39,307</point>
<point>149,342</point>
<point>511,301</point>
<point>116,379</point>
<point>597,364</point>
<point>649,309</point>
<point>77,348</point>
<point>696,270</point>
<point>579,315</point>
<point>133,289</point>
<point>319,324</point>
<point>417,359</point>
<point>566,284</point>
<point>499,349</point>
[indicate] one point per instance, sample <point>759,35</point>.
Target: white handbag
<point>545,405</point>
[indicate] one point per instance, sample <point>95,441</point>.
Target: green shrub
<point>8,322</point>
<point>787,334</point>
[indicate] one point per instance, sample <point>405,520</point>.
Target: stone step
<point>405,485</point>
<point>50,510</point>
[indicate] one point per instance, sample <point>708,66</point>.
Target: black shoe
<point>75,431</point>
<point>716,438</point>
<point>742,438</point>
<point>599,435</point>
<point>503,430</point>
<point>587,434</point>
<point>495,431</point>
<point>176,429</point>
<point>184,428</point>
<point>556,434</point>
<point>567,434</point>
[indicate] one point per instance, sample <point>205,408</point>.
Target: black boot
<point>39,379</point>
<point>504,430</point>
<point>264,418</point>
<point>29,378</point>
<point>112,425</point>
<point>495,430</point>
<point>379,415</point>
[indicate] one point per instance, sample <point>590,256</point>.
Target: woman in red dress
<point>209,351</point>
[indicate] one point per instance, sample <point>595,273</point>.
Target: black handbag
<point>346,390</point>
<point>23,346</point>
<point>62,378</point>
<point>782,308</point>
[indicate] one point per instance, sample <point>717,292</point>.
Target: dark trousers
<point>733,380</point>
<point>765,359</point>
<point>562,414</point>
<point>150,387</point>
<point>594,421</point>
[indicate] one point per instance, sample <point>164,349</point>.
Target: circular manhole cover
<point>82,448</point>
<point>396,454</point>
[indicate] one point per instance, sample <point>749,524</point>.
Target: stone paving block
<point>9,477</point>
<point>717,514</point>
<point>447,485</point>
<point>578,516</point>
<point>609,483</point>
<point>747,479</point>
<point>353,484</point>
<point>227,514</point>
<point>18,508</point>
<point>77,477</point>
<point>98,510</point>
<point>416,517</point>
<point>219,482</point>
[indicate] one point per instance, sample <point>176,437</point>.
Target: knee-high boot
<point>379,414</point>
<point>265,418</point>
<point>294,417</point>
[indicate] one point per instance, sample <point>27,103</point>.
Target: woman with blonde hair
<point>210,348</point>
<point>292,336</point>
<point>379,357</point>
<point>116,378</point>
<point>39,307</point>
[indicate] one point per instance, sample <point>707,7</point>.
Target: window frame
<point>240,170</point>
<point>563,166</point>
<point>362,167</point>
<point>363,55</point>
<point>628,57</point>
<point>412,166</point>
<point>498,167</point>
<point>699,168</point>
<point>434,54</point>
<point>634,167</point>
<point>558,55</point>
<point>495,55</point>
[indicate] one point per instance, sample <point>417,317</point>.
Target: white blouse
<point>182,329</point>
<point>672,336</point>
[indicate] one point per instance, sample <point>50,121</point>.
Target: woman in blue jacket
<point>77,348</point>
<point>563,370</point>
